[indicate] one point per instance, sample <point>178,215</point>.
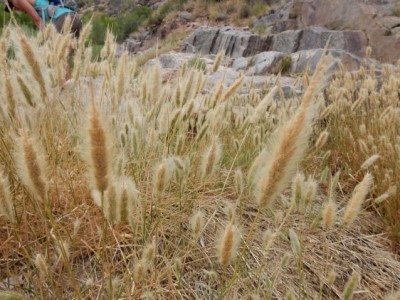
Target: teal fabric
<point>41,8</point>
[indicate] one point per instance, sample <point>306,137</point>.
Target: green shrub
<point>121,27</point>
<point>260,9</point>
<point>100,23</point>
<point>131,21</point>
<point>286,63</point>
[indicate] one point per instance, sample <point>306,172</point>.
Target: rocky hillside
<point>288,26</point>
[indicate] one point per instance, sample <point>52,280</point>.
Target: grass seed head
<point>228,245</point>
<point>370,161</point>
<point>31,167</point>
<point>210,159</point>
<point>322,139</point>
<point>98,152</point>
<point>6,202</point>
<point>42,266</point>
<point>197,224</point>
<point>288,149</point>
<point>354,206</point>
<point>350,287</point>
<point>329,215</point>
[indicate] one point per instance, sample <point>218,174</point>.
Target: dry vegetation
<point>124,185</point>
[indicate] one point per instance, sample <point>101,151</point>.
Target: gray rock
<point>240,63</point>
<point>366,16</point>
<point>235,43</point>
<point>229,77</point>
<point>171,60</point>
<point>317,37</point>
<point>132,45</point>
<point>395,31</point>
<point>168,61</point>
<point>186,16</point>
<point>266,63</point>
<point>288,91</point>
<point>390,22</point>
<point>287,41</point>
<point>279,20</point>
<point>307,60</point>
<point>352,41</point>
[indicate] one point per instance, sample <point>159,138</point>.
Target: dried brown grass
<point>156,235</point>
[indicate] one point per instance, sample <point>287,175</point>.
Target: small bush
<point>131,21</point>
<point>123,26</point>
<point>260,9</point>
<point>286,63</point>
<point>100,23</point>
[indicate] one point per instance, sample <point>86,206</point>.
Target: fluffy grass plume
<point>289,147</point>
<point>210,159</point>
<point>41,265</point>
<point>218,59</point>
<point>9,295</point>
<point>350,287</point>
<point>127,198</point>
<point>370,161</point>
<point>98,153</point>
<point>139,246</point>
<point>297,189</point>
<point>34,65</point>
<point>228,245</point>
<point>31,166</point>
<point>290,143</point>
<point>162,176</point>
<point>262,106</point>
<point>354,206</point>
<point>6,202</point>
<point>197,224</point>
<point>329,215</point>
<point>322,139</point>
<point>8,91</point>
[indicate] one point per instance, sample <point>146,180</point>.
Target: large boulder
<point>266,63</point>
<point>235,43</point>
<point>371,17</point>
<point>307,60</point>
<point>287,41</point>
<point>291,41</point>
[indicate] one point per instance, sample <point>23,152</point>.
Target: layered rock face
<point>379,20</point>
<point>236,43</point>
<point>298,30</point>
<point>301,48</point>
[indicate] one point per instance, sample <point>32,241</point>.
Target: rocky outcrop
<point>319,37</point>
<point>375,18</point>
<point>307,60</point>
<point>235,43</point>
<point>266,63</point>
<point>345,46</point>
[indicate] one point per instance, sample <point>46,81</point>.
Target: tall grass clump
<point>122,183</point>
<point>363,120</point>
